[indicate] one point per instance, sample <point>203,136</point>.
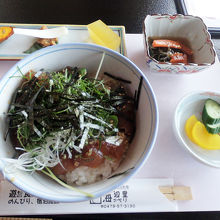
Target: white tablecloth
<point>168,158</point>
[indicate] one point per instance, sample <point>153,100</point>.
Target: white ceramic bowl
<point>192,104</point>
<point>89,56</point>
<point>178,26</point>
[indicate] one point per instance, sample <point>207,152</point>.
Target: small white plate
<point>193,104</point>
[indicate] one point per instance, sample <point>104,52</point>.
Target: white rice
<point>86,175</point>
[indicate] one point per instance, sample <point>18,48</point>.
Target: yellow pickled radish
<point>101,34</point>
<point>189,126</point>
<point>203,138</point>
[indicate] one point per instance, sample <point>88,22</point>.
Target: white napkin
<point>137,195</point>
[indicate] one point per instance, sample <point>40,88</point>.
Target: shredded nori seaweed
<point>43,105</point>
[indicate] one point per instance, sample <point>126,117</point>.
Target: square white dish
<point>190,28</point>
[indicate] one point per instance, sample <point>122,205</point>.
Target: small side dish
<point>7,30</point>
<point>190,129</point>
<point>182,44</point>
<point>206,133</point>
<point>173,51</point>
<point>42,42</point>
<point>13,48</point>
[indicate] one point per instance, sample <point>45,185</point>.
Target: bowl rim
<point>143,157</point>
<point>177,132</point>
<point>178,64</point>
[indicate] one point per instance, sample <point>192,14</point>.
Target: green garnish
<point>36,46</point>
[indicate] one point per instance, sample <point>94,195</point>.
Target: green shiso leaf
<point>36,46</point>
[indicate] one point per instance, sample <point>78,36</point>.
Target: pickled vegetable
<point>101,34</point>
<point>203,138</point>
<point>198,134</point>
<point>189,126</point>
<point>213,128</point>
<point>211,112</point>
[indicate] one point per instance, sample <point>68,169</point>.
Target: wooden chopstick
<point>176,192</point>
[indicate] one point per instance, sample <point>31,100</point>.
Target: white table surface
<point>168,158</point>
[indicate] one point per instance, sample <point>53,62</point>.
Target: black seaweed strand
<point>117,78</point>
<point>138,93</point>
